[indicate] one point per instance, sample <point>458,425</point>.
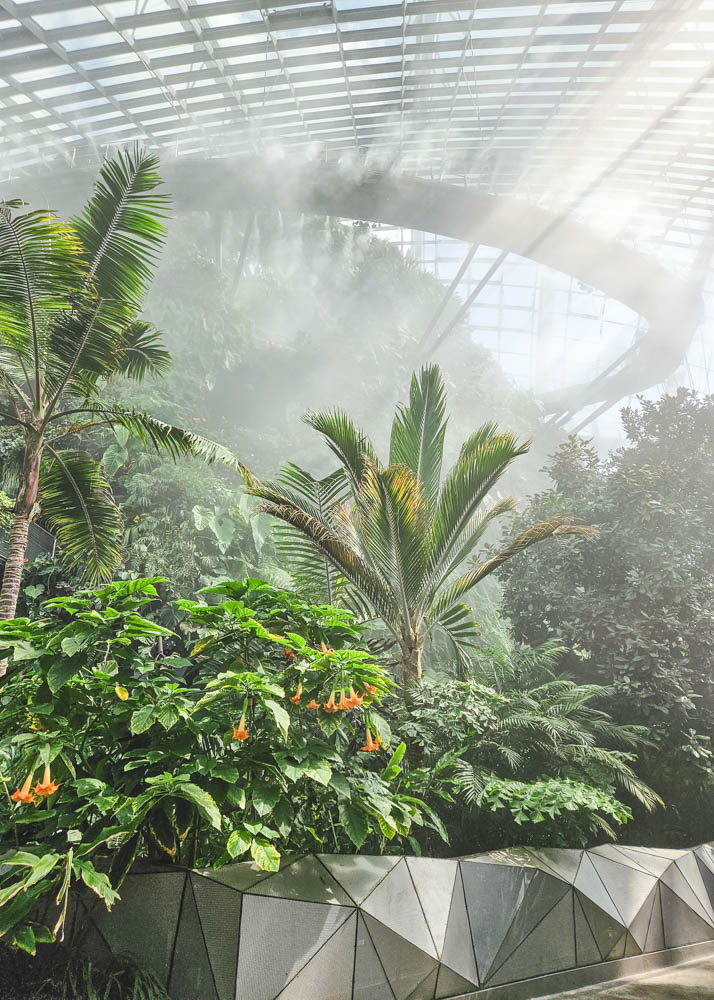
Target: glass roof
<point>604,109</point>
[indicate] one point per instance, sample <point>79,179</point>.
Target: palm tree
<point>394,537</point>
<point>70,301</point>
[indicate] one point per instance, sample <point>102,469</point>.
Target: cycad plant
<point>395,537</point>
<point>70,301</point>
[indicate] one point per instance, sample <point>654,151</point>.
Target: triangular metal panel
<point>675,880</point>
<point>705,854</point>
<point>619,854</point>
<point>426,989</point>
<point>589,883</point>
<point>394,902</point>
<point>690,870</point>
<point>356,874</point>
<point>406,965</point>
<point>278,936</point>
<point>631,946</point>
<point>682,925</point>
<point>494,894</point>
<point>560,861</point>
<point>653,863</point>
<point>542,895</point>
<point>586,949</point>
<point>434,883</point>
<point>304,879</point>
<point>370,979</point>
<point>458,950</point>
<point>655,931</point>
<point>707,876</point>
<point>450,984</point>
<point>191,972</point>
<point>242,876</point>
<point>147,900</point>
<point>628,887</point>
<point>605,928</point>
<point>328,974</point>
<point>618,949</point>
<point>219,912</point>
<point>550,947</point>
<point>640,923</point>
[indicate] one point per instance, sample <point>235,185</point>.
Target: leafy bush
<point>636,607</point>
<point>264,738</point>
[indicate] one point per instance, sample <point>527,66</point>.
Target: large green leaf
<point>78,505</point>
<point>418,431</point>
<point>354,822</point>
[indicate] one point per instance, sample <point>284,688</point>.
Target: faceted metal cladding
<point>335,927</point>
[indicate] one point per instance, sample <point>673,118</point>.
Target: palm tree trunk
<point>411,659</point>
<point>24,511</point>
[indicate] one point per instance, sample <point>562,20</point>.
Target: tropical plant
<point>636,610</point>
<point>70,302</point>
<point>393,538</point>
<point>262,738</point>
<point>519,746</point>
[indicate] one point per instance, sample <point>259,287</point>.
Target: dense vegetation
<point>637,608</point>
<point>238,690</point>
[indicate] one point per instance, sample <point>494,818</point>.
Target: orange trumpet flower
<point>370,745</point>
<point>370,689</point>
<point>288,654</point>
<point>343,704</point>
<point>354,700</point>
<point>240,732</point>
<point>47,785</point>
<point>297,696</point>
<point>312,704</point>
<point>327,650</point>
<point>330,705</point>
<point>24,794</point>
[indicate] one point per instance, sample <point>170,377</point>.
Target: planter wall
<point>514,923</point>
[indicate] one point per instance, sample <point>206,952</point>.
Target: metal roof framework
<point>601,111</point>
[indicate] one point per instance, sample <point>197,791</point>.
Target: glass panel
<point>542,895</point>
<point>328,975</point>
<point>681,924</point>
<point>434,882</point>
<point>707,878</point>
<point>146,901</point>
<point>305,879</point>
<point>458,951</point>
<point>690,871</point>
<point>627,887</point>
<point>191,975</point>
<point>591,885</point>
<point>674,879</point>
<point>219,912</point>
<point>448,984</point>
<point>294,931</point>
<point>606,930</point>
<point>370,980</point>
<point>587,952</point>
<point>550,947</point>
<point>655,931</point>
<point>405,965</point>
<point>357,876</point>
<point>493,895</point>
<point>641,922</point>
<point>395,903</point>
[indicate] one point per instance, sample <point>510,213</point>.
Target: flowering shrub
<point>260,733</point>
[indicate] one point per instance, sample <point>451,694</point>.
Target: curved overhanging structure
<point>580,135</point>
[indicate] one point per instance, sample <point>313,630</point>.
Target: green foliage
<point>396,549</point>
<point>636,606</point>
<point>70,299</point>
<point>194,759</point>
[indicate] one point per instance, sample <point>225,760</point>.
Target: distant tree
<point>70,302</point>
<point>638,606</point>
<point>397,536</point>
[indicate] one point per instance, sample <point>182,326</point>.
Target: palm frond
<point>457,623</point>
<point>391,518</point>
<point>351,445</point>
<point>166,438</point>
<point>121,230</point>
<point>40,268</point>
<point>465,487</point>
<point>77,503</point>
<point>555,527</point>
<point>141,351</point>
<point>418,430</point>
<point>345,560</point>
